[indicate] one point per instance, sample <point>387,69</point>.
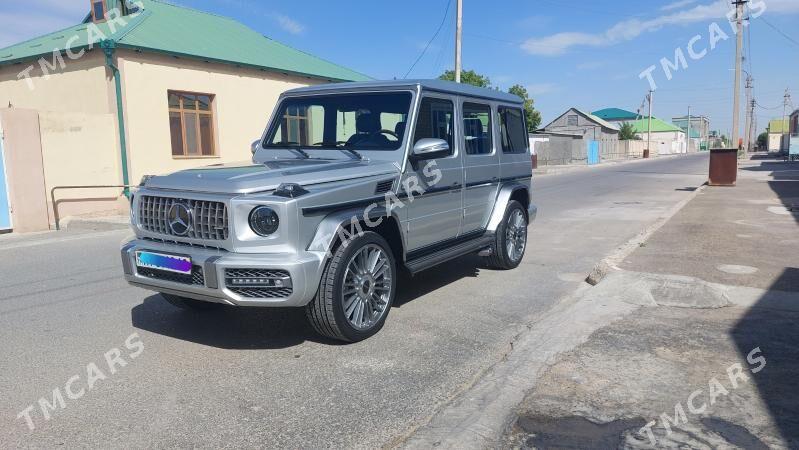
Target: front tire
<point>511,239</point>
<point>190,304</point>
<point>357,289</point>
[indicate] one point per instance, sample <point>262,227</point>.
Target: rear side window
<point>477,129</point>
<point>436,120</point>
<point>512,130</point>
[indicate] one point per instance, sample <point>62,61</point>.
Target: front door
<point>5,212</point>
<point>435,215</point>
<point>480,166</point>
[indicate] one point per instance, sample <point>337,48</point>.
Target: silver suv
<point>349,184</point>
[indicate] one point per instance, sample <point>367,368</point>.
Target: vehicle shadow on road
<point>410,288</point>
<point>229,327</point>
<point>274,328</point>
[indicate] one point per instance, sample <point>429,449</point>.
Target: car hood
<point>245,178</point>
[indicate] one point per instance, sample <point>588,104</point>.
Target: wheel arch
<point>338,225</point>
<point>508,192</point>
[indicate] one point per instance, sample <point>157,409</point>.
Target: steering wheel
<point>390,133</point>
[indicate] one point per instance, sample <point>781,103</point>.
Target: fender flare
<point>328,229</point>
<point>501,203</point>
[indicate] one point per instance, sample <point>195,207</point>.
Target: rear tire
<point>190,304</point>
<point>510,242</point>
<point>357,290</point>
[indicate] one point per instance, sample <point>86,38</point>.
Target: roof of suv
<point>448,87</point>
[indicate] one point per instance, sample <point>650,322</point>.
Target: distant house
<point>616,115</point>
<point>576,121</point>
<point>698,123</point>
<point>793,122</point>
<point>666,138</point>
<point>777,135</point>
<point>139,87</point>
<point>590,127</point>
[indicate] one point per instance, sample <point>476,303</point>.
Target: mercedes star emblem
<point>179,219</point>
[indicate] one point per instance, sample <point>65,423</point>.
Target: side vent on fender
<point>384,186</point>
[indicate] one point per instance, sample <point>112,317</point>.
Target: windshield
<point>341,121</point>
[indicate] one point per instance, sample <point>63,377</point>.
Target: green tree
<point>762,140</point>
<point>533,116</point>
<point>627,132</point>
<point>467,77</point>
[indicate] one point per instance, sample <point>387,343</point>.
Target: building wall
<point>775,142</point>
<point>243,101</point>
<point>82,86</point>
<point>23,158</point>
<point>666,142</point>
<point>81,149</point>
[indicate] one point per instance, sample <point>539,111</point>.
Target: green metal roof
<point>175,30</point>
<point>658,126</point>
<point>615,114</point>
<point>778,126</point>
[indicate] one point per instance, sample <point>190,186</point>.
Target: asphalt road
<point>252,377</point>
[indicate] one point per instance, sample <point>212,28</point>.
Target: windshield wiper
<point>340,146</point>
<point>292,146</point>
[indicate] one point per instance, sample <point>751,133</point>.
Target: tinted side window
<point>436,120</point>
<point>513,130</point>
<point>477,129</point>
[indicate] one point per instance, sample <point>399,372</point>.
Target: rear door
<point>481,164</point>
<point>515,159</point>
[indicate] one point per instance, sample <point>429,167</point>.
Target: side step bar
<point>421,263</point>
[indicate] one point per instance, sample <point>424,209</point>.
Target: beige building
<point>138,88</point>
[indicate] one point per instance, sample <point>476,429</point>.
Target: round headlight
<point>264,220</point>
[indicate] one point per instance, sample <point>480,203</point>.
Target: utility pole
<point>458,33</point>
<point>747,131</point>
<point>786,99</point>
<point>736,102</point>
<point>688,149</point>
<point>649,128</point>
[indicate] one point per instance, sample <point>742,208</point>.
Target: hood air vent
<point>384,186</point>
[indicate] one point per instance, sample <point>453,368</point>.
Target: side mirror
<point>255,146</point>
<point>429,148</point>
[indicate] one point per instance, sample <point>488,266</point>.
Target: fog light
<point>264,220</point>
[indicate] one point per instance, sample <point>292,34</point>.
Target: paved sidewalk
<point>710,358</point>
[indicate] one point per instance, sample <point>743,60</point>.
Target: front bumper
<point>208,283</point>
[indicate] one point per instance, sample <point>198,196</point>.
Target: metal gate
<point>593,152</point>
<point>5,212</point>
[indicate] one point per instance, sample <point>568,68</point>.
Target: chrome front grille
<point>209,220</point>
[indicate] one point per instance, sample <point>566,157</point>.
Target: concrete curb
<point>610,263</point>
<point>96,223</point>
<point>480,412</point>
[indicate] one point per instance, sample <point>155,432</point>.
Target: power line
<point>440,26</point>
<point>792,40</point>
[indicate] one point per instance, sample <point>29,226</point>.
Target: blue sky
<point>587,54</point>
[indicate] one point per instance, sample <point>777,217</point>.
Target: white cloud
<point>541,88</point>
<point>289,24</point>
<point>677,5</point>
<point>630,29</point>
